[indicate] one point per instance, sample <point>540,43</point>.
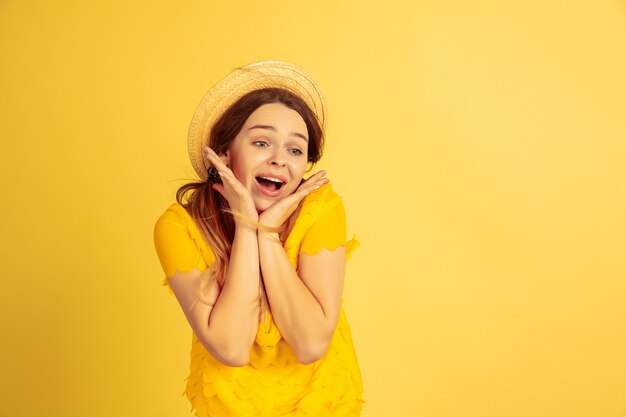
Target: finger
<point>317,175</point>
<point>229,178</point>
<point>214,159</point>
<point>232,184</point>
<point>225,189</point>
<point>307,181</point>
<point>313,180</point>
<point>303,191</point>
<point>300,194</point>
<point>313,184</point>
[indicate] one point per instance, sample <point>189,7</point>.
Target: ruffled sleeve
<point>327,223</point>
<point>179,244</point>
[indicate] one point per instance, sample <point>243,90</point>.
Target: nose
<point>277,159</point>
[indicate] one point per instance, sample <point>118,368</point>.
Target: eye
<point>296,152</point>
<point>260,143</point>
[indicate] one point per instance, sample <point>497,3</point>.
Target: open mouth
<point>269,183</point>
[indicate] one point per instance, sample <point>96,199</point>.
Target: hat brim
<point>265,74</point>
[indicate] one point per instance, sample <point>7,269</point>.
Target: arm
<point>228,324</point>
<point>227,328</point>
<point>305,305</point>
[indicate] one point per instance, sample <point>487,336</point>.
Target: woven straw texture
<point>239,82</point>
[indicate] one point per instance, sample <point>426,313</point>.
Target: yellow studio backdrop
<point>479,148</point>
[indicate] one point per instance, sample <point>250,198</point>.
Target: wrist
<point>245,219</point>
<point>268,236</point>
<point>265,221</point>
<point>245,226</point>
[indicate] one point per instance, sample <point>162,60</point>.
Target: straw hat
<point>239,82</point>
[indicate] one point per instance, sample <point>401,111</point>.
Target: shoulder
<point>176,220</point>
<point>323,194</point>
<point>176,215</point>
<point>320,201</point>
<point>179,241</point>
<point>320,207</point>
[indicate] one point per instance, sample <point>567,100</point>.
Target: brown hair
<point>210,210</point>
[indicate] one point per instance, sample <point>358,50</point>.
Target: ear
<point>225,157</point>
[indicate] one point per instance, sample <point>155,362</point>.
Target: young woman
<point>255,254</point>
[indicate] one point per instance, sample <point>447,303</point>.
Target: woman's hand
<point>279,212</point>
<point>238,196</point>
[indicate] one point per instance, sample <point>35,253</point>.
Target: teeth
<point>272,179</point>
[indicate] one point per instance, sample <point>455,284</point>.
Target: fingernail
<point>205,149</point>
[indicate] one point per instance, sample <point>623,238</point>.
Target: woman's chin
<point>261,206</point>
<point>262,203</point>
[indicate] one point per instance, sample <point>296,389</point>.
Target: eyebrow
<point>273,129</point>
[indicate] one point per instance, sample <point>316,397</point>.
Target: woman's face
<point>269,155</point>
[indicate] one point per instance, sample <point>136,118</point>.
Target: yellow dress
<point>273,383</point>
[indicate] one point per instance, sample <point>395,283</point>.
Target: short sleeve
<point>175,244</point>
<point>328,231</point>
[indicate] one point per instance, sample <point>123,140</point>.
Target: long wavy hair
<point>211,212</point>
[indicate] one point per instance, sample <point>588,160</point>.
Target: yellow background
<point>479,147</point>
